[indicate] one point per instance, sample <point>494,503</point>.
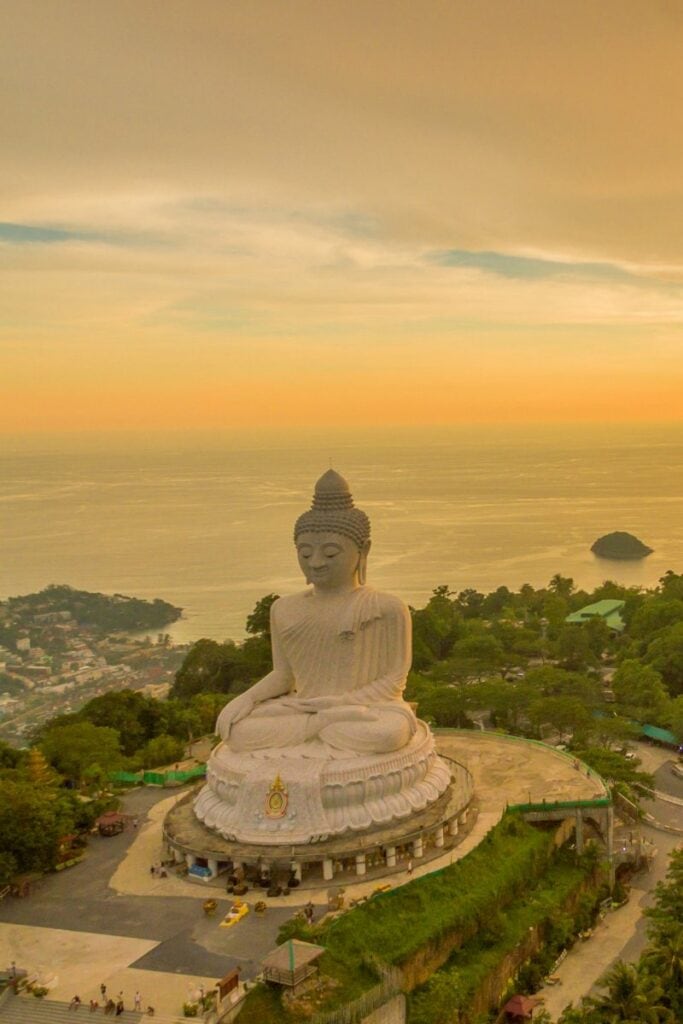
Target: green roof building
<point>609,611</point>
<point>665,736</point>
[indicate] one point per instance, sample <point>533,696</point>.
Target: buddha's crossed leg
<point>357,728</point>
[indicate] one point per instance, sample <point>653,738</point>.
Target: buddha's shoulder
<point>389,604</point>
<point>386,604</point>
<point>290,603</point>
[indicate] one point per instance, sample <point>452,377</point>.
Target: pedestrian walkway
<point>668,798</point>
<point>588,961</point>
<point>69,963</point>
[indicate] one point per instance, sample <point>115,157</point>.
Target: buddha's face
<point>328,560</point>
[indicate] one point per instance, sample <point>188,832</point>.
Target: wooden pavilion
<point>291,963</point>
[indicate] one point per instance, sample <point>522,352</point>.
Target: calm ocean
<point>206,522</point>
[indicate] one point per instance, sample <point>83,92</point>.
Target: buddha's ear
<point>363,562</point>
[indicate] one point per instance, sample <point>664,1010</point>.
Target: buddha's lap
<point>385,729</point>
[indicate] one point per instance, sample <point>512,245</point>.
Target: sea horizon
<point>204,519</point>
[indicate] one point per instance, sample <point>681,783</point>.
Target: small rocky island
<point>620,546</point>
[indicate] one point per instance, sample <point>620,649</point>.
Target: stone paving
<point>508,770</point>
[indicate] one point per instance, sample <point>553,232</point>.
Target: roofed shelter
<point>111,823</point>
<point>608,611</point>
<point>520,1007</point>
<point>663,736</point>
<point>291,963</point>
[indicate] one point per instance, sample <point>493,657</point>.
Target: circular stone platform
<point>431,830</point>
<point>499,770</point>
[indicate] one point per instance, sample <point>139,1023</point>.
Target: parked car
<point>111,824</point>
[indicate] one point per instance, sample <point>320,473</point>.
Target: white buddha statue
<point>341,651</point>
<point>328,726</point>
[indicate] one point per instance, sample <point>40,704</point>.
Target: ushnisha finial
<point>333,511</point>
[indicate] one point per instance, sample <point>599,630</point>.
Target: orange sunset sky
<point>220,213</point>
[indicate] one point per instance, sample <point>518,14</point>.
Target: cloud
<point>42,234</point>
<point>26,234</point>
<point>525,268</point>
<point>505,126</point>
<point>240,191</point>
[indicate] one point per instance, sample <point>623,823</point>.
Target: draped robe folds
<point>348,650</point>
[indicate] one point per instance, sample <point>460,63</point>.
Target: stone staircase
<point>27,1009</point>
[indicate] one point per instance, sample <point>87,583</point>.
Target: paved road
<point>668,783</point>
<point>644,884</point>
<point>80,899</point>
<point>623,934</point>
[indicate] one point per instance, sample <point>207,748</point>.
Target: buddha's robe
<point>354,646</point>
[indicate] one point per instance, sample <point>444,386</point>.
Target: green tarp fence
<point>149,778</point>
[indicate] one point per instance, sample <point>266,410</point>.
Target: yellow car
<point>236,913</point>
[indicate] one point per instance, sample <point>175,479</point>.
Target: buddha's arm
<point>281,679</point>
<point>278,682</point>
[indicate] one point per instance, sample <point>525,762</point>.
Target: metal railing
<point>560,805</point>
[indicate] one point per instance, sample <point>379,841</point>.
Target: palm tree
<point>563,586</point>
<point>633,997</point>
<point>664,961</point>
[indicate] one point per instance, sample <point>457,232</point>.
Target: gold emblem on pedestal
<point>276,799</point>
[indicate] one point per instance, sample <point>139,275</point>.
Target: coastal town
<point>62,647</point>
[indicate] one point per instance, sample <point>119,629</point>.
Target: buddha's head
<point>333,538</point>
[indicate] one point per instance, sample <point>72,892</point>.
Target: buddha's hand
<point>233,713</point>
<point>318,703</point>
<point>348,713</point>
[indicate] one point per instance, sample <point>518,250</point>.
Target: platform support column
<point>453,826</point>
<point>328,869</point>
<point>213,866</point>
<point>391,856</point>
<point>418,847</point>
<point>296,870</point>
<point>579,830</point>
<point>438,837</point>
<point>610,845</point>
<point>190,860</point>
<point>360,863</point>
